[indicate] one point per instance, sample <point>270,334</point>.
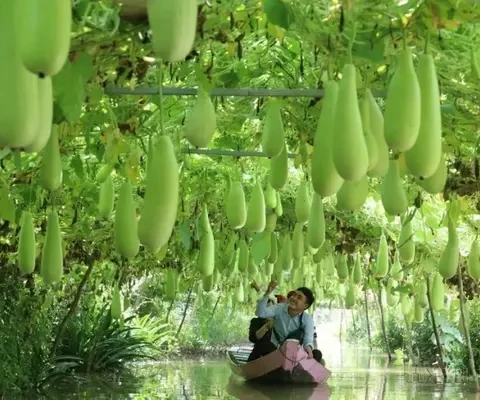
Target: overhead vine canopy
<point>276,44</point>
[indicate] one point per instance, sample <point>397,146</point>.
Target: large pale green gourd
<point>26,244</point>
<point>392,191</point>
<point>370,140</point>
<point>174,25</point>
<point>424,157</point>
<point>278,173</point>
<point>350,153</point>
<point>256,212</point>
<point>51,171</point>
<point>377,127</point>
<point>448,264</point>
<point>403,104</point>
<point>302,203</point>
<point>201,121</point>
<point>160,204</point>
<point>406,246</point>
<point>206,256</point>
<point>19,108</point>
<point>126,224</point>
<point>325,179</point>
<point>436,183</point>
<point>45,117</point>
<point>353,194</point>
<point>316,223</point>
<point>46,33</point>
<point>51,266</point>
<point>273,135</point>
<point>236,208</point>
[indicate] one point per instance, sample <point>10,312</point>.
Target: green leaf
<point>260,247</point>
<point>185,235</point>
<point>373,52</point>
<point>278,13</point>
<point>77,166</point>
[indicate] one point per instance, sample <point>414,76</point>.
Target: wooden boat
<point>287,364</point>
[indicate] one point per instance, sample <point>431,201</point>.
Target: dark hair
<point>308,294</point>
<point>270,301</point>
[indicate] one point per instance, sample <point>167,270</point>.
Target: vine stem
<point>427,42</point>
<point>352,41</point>
<point>160,94</point>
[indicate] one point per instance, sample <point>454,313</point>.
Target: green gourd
<point>377,127</point>
<point>325,179</point>
<point>392,191</point>
<point>370,140</point>
<point>298,243</point>
<point>51,266</point>
<point>353,194</point>
<point>350,153</point>
<point>381,268</point>
<point>26,244</point>
<point>278,173</point>
<point>173,25</point>
<point>424,157</point>
<point>403,105</point>
<point>106,198</point>
<point>126,225</point>
<point>406,246</point>
<point>256,212</point>
<point>316,223</point>
<point>160,205</point>
<point>51,171</point>
<point>437,293</point>
<point>206,256</point>
<point>201,121</point>
<point>473,261</point>
<point>273,136</point>
<point>236,207</point>
<point>435,183</point>
<point>448,264</point>
<point>302,203</point>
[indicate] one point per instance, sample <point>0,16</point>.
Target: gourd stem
<point>404,39</point>
<point>427,42</point>
<point>160,93</point>
<point>352,40</point>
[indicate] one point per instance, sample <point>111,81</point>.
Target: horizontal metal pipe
<point>219,92</point>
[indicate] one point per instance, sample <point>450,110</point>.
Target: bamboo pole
<point>382,321</point>
<point>466,328</point>
<point>220,92</point>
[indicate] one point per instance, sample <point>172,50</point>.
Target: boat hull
<point>288,364</point>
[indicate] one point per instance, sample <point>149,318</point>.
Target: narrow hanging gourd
<point>357,271</point>
<point>302,203</point>
<point>316,223</point>
<point>437,293</point>
<point>350,153</point>
<point>403,105</point>
<point>174,25</point>
<point>256,210</point>
<point>397,270</point>
<point>116,307</point>
<point>325,179</point>
<point>160,204</point>
<point>448,264</point>
<point>45,116</point>
<point>126,224</point>
<point>370,140</point>
<point>473,262</point>
<point>171,284</point>
<point>236,208</point>
<point>19,106</point>
<point>51,266</point>
<point>353,194</point>
<point>377,128</point>
<point>45,35</point>
<point>406,246</point>
<point>273,135</point>
<point>342,268</point>
<point>206,256</point>
<point>243,254</point>
<point>201,121</point>
<point>298,242</point>
<point>270,195</point>
<point>278,173</point>
<point>436,183</point>
<point>381,268</point>
<point>424,157</point>
<point>26,244</point>
<point>106,198</point>
<point>392,191</point>
<point>51,172</point>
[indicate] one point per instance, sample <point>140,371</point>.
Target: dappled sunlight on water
<point>357,374</point>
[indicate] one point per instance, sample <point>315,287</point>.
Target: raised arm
<point>308,329</point>
<point>263,311</point>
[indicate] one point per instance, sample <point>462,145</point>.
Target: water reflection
<point>356,374</point>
